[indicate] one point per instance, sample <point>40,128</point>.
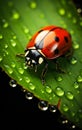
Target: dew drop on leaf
<point>69,96</point>
<point>62,11</point>
<point>13,43</point>
<point>12,83</point>
<point>1,36</point>
<point>75,45</point>
<point>79,78</point>
<point>59,78</point>
<point>21,70</point>
<point>33,5</point>
<point>6,46</point>
<point>48,89</point>
<point>73,61</point>
<point>16,15</point>
<point>65,107</point>
<point>43,105</point>
<point>31,86</point>
<point>59,91</point>
<point>52,108</point>
<point>9,69</point>
<point>27,79</point>
<point>76,85</point>
<point>1,58</point>
<point>13,64</point>
<point>29,95</point>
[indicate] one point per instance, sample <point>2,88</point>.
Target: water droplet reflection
<point>12,83</point>
<point>43,105</point>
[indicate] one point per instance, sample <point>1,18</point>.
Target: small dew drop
<point>73,126</point>
<point>59,78</point>
<point>13,43</point>
<point>62,11</point>
<point>33,5</point>
<point>9,69</point>
<point>79,78</point>
<point>52,108</point>
<point>59,91</point>
<point>6,46</point>
<point>16,15</point>
<point>69,15</point>
<point>48,89</point>
<point>13,64</point>
<point>12,83</point>
<point>74,20</point>
<point>27,79</point>
<point>5,25</point>
<point>31,86</point>
<point>21,70</point>
<point>71,32</point>
<point>75,45</point>
<point>29,95</point>
<point>73,61</point>
<point>65,121</point>
<point>26,30</point>
<point>79,10</point>
<point>43,105</point>
<point>76,85</point>
<point>14,37</point>
<point>65,108</point>
<point>1,36</point>
<point>1,58</point>
<point>69,96</point>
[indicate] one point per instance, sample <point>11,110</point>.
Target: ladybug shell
<point>52,41</point>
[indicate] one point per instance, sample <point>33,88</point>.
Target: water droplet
<point>13,43</point>
<point>69,95</point>
<point>43,105</point>
<point>79,10</point>
<point>79,78</point>
<point>59,78</point>
<point>48,89</point>
<point>1,58</point>
<point>1,36</point>
<point>71,32</point>
<point>26,30</point>
<point>27,79</point>
<point>65,108</point>
<point>16,15</point>
<point>21,70</point>
<point>52,108</point>
<point>75,45</point>
<point>5,25</point>
<point>33,5</point>
<point>62,11</point>
<point>73,126</point>
<point>74,20</point>
<point>14,37</point>
<point>69,15</point>
<point>31,86</point>
<point>6,46</point>
<point>80,23</point>
<point>13,64</point>
<point>65,121</point>
<point>9,69</point>
<point>29,95</point>
<point>73,61</point>
<point>76,85</point>
<point>6,52</point>
<point>59,91</point>
<point>13,83</point>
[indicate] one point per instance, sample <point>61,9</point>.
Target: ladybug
<point>48,43</point>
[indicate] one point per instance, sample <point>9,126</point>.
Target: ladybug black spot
<point>66,39</point>
<point>56,39</point>
<point>56,51</point>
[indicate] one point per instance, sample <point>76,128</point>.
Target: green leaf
<point>19,20</point>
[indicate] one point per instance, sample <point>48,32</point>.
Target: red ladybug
<point>48,43</point>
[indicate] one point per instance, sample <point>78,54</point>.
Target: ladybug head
<point>33,57</point>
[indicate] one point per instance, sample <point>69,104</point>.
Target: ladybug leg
<point>20,55</point>
<point>69,54</point>
<point>58,67</point>
<point>43,73</point>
